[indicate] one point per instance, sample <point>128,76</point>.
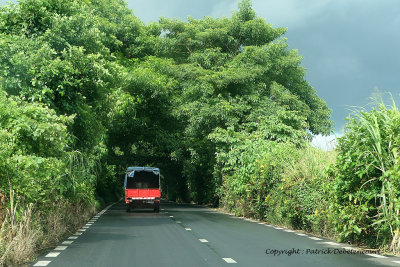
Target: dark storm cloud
<point>349,49</point>
<point>153,9</point>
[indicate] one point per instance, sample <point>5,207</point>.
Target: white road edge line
<point>376,255</point>
<point>203,240</point>
<point>178,222</point>
<point>67,242</point>
<point>349,248</point>
<point>73,237</point>
<point>52,254</point>
<point>314,238</point>
<point>300,234</point>
<point>398,262</point>
<point>42,263</point>
<point>229,260</point>
<point>331,243</point>
<point>289,231</point>
<point>188,229</point>
<point>60,247</point>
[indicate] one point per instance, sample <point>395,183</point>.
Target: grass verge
<point>28,230</point>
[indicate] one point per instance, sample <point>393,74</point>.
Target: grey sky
<point>350,47</point>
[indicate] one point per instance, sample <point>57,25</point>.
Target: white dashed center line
<point>229,260</point>
<point>188,229</point>
<point>203,240</point>
<point>42,263</point>
<point>52,254</point>
<point>178,222</point>
<point>171,216</point>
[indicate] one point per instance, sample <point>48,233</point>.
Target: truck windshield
<point>143,180</point>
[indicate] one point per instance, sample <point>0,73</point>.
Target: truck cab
<point>142,188</point>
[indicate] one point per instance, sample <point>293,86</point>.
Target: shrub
<point>301,199</point>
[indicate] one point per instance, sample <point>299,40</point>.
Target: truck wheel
<point>128,207</point>
<point>156,208</point>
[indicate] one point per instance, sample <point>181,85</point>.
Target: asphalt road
<point>188,235</point>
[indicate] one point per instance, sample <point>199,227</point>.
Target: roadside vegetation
<point>220,105</point>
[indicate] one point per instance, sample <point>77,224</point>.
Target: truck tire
<point>156,208</point>
<point>128,207</point>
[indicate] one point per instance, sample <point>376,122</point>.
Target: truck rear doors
<point>142,188</point>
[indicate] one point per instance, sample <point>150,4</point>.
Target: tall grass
<point>26,231</point>
<point>383,128</point>
<point>17,233</point>
<point>301,198</point>
<point>367,177</point>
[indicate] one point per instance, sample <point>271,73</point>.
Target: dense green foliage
<point>33,140</point>
<point>165,94</point>
<point>234,76</point>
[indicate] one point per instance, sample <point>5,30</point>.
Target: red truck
<point>142,188</point>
